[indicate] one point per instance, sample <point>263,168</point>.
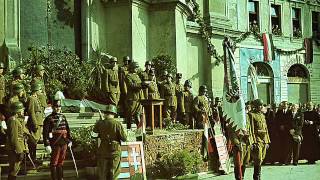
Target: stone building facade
<point>144,29</point>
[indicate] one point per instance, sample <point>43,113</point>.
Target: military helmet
<point>36,86</point>
<point>113,59</point>
<point>17,71</point>
<point>188,83</point>
<point>169,75</point>
<point>257,102</point>
<point>126,58</point>
<point>217,99</point>
<point>179,75</point>
<point>148,63</point>
<point>16,107</point>
<point>111,109</point>
<point>56,103</point>
<point>1,65</point>
<point>133,65</point>
<point>203,88</point>
<point>17,88</point>
<point>39,68</point>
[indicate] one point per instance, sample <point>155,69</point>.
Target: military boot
<point>59,173</point>
<point>53,170</point>
<point>243,170</point>
<point>257,172</point>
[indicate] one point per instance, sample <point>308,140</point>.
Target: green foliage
<point>174,126</point>
<point>164,63</point>
<point>85,146</point>
<point>176,163</point>
<point>64,69</point>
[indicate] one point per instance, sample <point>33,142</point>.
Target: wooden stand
<point>149,110</point>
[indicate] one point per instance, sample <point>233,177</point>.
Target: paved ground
<point>300,172</point>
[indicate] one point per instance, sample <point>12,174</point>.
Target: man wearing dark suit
<point>284,120</point>
<point>296,132</point>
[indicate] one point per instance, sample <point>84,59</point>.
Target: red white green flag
<point>268,47</point>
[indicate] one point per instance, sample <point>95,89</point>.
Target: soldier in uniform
<point>296,132</point>
<point>179,90</point>
<point>2,85</point>
<point>135,94</point>
<point>153,92</point>
<point>201,107</point>
<point>18,78</point>
<point>38,78</point>
<point>123,72</point>
<point>17,138</point>
<point>36,116</point>
<point>168,93</point>
<point>17,95</point>
<point>260,136</point>
<point>111,133</point>
<point>56,139</point>
<point>187,104</point>
<point>111,83</point>
<point>144,76</point>
<point>241,149</point>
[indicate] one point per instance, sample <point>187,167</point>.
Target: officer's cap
<point>16,107</point>
<point>39,68</point>
<point>17,71</point>
<point>36,86</point>
<point>148,63</point>
<point>1,65</point>
<point>111,109</point>
<point>17,88</point>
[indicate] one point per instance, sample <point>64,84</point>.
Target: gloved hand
<point>70,144</point>
<point>48,149</point>
<point>20,156</point>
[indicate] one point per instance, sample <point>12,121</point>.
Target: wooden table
<point>149,110</point>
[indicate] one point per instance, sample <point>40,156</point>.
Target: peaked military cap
<point>39,68</point>
<point>111,109</point>
<point>36,86</point>
<point>17,71</point>
<point>17,88</point>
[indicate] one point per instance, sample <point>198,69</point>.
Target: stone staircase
<point>75,120</point>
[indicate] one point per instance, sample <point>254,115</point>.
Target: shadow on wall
<point>65,13</point>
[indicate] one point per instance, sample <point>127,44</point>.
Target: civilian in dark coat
<point>310,145</point>
<point>284,121</point>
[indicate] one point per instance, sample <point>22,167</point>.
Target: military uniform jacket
<point>56,130</point>
<point>187,102</point>
<point>111,81</point>
<point>259,127</point>
<point>133,82</point>
<point>201,105</point>
<point>168,92</point>
<point>35,110</point>
<point>111,133</point>
<point>123,72</point>
<point>43,95</point>
<point>153,92</point>
<point>2,89</point>
<point>144,75</point>
<point>17,134</point>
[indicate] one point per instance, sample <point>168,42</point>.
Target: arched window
<point>298,84</point>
